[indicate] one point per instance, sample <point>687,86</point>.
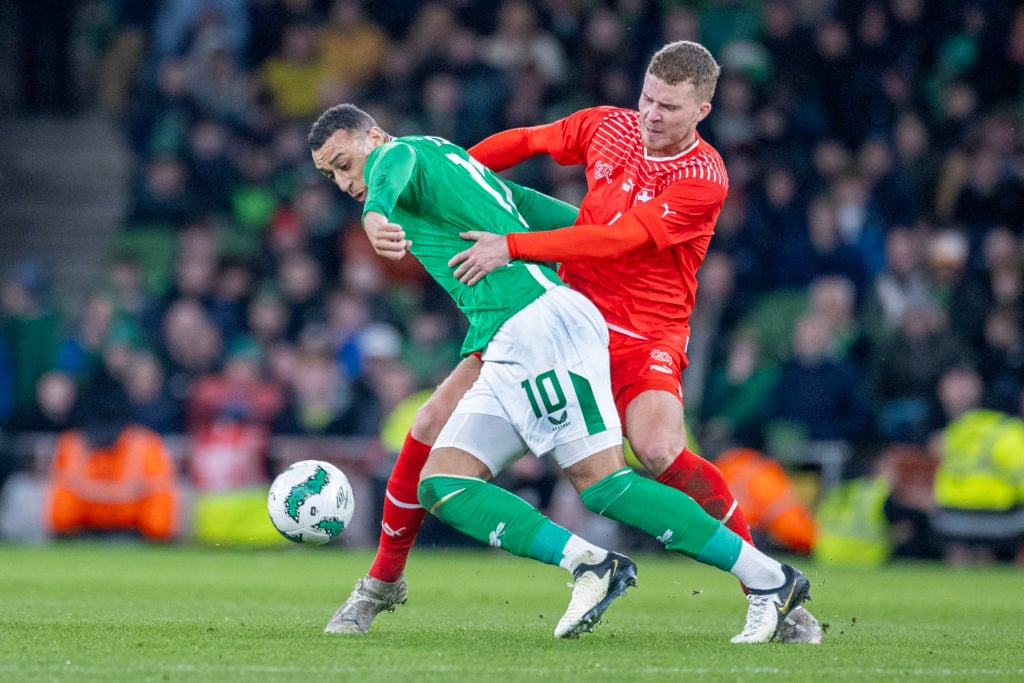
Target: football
<point>311,502</point>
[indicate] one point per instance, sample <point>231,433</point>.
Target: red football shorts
<point>640,365</point>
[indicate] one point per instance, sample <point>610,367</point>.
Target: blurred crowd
<point>864,285</point>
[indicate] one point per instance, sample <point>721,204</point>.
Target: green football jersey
<point>435,190</point>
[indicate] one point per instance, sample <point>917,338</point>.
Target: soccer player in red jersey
<point>654,192</point>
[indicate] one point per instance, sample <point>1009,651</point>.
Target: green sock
<point>492,515</point>
<point>669,515</point>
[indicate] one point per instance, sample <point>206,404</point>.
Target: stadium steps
<point>63,197</point>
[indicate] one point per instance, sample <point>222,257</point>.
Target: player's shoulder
<point>606,114</point>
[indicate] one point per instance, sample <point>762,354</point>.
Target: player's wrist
<point>511,246</point>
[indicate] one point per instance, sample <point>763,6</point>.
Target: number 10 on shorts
<point>547,387</point>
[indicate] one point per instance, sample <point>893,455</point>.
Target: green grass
<point>123,612</point>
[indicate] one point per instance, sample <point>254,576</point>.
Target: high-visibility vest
<point>767,497</point>
<point>982,463</point>
<point>132,484</point>
<point>852,526</point>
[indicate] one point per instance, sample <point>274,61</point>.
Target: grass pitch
<point>124,612</point>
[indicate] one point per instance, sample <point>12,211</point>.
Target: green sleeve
<point>388,176</point>
<point>540,211</point>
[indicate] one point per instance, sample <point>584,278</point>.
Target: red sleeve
<point>503,150</point>
<point>683,211</point>
<point>579,242</point>
<point>565,140</point>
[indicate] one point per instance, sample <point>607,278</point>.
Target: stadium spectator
<point>819,397</point>
<point>30,323</point>
<point>352,45</point>
<point>905,370</point>
<point>736,398</point>
<point>150,403</point>
<point>54,408</point>
<point>901,282</point>
<point>978,481</point>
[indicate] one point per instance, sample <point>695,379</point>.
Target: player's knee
<point>429,420</point>
<point>656,454</point>
<point>429,492</point>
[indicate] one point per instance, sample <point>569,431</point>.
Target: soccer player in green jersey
<point>544,385</point>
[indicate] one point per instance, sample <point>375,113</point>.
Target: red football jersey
<point>676,199</point>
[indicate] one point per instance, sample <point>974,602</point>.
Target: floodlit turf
<point>124,612</point>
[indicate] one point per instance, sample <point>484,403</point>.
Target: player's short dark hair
<point>347,117</point>
<point>685,60</point>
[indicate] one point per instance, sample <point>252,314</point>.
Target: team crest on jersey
<point>659,356</point>
<point>643,196</point>
<point>603,169</point>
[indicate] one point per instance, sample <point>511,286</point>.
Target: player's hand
<point>386,238</point>
<point>489,253</point>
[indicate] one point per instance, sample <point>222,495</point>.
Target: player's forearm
<point>388,178</point>
<point>577,243</point>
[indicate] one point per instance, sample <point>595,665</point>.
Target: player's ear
<point>377,137</point>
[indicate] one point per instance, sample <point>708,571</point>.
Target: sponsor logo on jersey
<point>661,356</point>
<point>602,169</point>
<point>627,185</point>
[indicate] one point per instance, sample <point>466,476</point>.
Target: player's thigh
<point>546,372</point>
<point>474,443</point>
<point>433,414</point>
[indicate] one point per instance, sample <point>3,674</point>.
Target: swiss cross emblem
<point>644,195</point>
<point>603,169</point>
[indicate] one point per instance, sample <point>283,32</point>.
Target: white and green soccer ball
<point>311,502</point>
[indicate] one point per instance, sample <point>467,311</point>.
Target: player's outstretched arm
<point>576,243</point>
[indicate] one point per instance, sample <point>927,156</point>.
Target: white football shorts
<point>545,386</point>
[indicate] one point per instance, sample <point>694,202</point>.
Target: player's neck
<point>673,151</point>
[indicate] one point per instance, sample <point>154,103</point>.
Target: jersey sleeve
<point>684,210</point>
<point>579,242</point>
<point>564,140</point>
<point>541,212</point>
<point>388,177</point>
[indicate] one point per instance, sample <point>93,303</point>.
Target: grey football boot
<point>369,598</point>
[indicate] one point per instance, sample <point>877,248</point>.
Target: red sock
<point>702,481</point>
<point>403,515</point>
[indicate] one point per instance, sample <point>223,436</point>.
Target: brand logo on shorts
<point>660,356</point>
<point>662,368</point>
<point>666,537</point>
<point>559,421</point>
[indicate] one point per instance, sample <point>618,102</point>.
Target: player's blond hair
<point>685,60</point>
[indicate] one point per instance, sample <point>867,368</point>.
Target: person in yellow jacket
<point>979,483</point>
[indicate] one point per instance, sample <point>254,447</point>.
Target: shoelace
<point>759,606</point>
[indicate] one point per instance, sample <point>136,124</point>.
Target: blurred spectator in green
<point>30,323</point>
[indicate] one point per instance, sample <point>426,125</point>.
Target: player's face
<point>343,158</point>
<point>669,116</point>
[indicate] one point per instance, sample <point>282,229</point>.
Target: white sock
<point>578,551</point>
<point>756,570</point>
